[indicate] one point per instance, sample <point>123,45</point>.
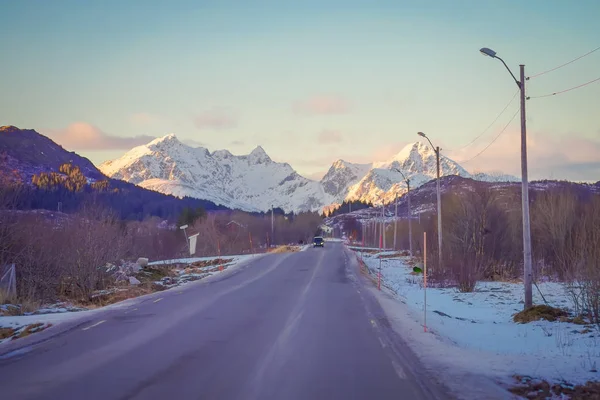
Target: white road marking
<point>91,326</point>
<point>157,300</point>
<point>399,370</point>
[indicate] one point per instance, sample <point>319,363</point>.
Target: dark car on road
<point>318,242</point>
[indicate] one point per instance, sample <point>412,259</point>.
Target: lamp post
<point>183,228</point>
<point>527,261</point>
<point>395,220</point>
<point>409,214</point>
<point>439,197</point>
<point>272,226</point>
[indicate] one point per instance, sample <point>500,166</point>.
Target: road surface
<point>286,326</point>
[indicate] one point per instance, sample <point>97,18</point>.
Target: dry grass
<point>397,254</point>
<point>540,312</point>
<point>4,297</point>
<point>284,249</point>
<point>121,295</point>
<point>540,390</point>
<point>6,333</point>
<point>19,307</point>
<point>209,263</point>
<point>29,305</point>
<point>29,329</point>
<point>155,273</point>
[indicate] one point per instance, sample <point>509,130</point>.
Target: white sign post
<point>193,240</point>
<point>425,281</point>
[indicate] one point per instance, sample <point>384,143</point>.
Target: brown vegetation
<point>284,249</point>
<point>539,312</point>
<point>536,389</point>
<point>65,257</point>
<point>482,238</point>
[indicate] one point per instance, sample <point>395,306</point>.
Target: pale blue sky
<point>310,81</point>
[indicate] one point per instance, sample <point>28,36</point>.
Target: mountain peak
<point>8,128</point>
<point>259,155</point>
<point>412,150</point>
<point>167,138</point>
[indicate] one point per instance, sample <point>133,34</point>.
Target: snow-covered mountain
<point>418,163</point>
<point>254,182</point>
<point>251,182</point>
<point>341,176</point>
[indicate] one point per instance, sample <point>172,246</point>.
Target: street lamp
<point>272,226</point>
<point>409,214</point>
<point>183,228</point>
<point>439,196</point>
<point>527,262</point>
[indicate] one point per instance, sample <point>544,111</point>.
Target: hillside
<point>26,153</point>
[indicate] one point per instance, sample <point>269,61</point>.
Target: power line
<point>490,125</point>
<point>566,90</point>
<point>565,64</point>
<point>492,142</point>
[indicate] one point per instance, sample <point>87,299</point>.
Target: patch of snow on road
<point>475,333</point>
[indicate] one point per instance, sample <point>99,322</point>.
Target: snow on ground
<point>474,332</point>
<point>235,260</point>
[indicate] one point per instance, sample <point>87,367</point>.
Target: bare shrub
<point>474,228</point>
<point>93,238</point>
<point>583,275</point>
<point>152,239</point>
<point>554,217</point>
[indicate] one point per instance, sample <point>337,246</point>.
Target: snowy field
<point>475,331</point>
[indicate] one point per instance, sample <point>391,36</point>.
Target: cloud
<point>237,143</point>
<point>316,176</point>
<point>193,143</point>
<point>570,156</point>
<point>143,119</point>
<point>83,136</point>
<point>322,105</point>
<point>330,136</point>
<point>312,162</point>
<point>216,119</point>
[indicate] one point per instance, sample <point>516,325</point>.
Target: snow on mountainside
<point>250,182</point>
<point>341,176</point>
<point>254,182</point>
<point>417,162</point>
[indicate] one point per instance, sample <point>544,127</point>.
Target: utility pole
<point>439,208</point>
<point>527,262</point>
<point>410,244</point>
<point>272,226</point>
<point>395,221</point>
<point>439,198</point>
<point>409,212</point>
<point>383,223</point>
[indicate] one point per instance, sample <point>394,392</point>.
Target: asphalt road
<point>292,326</point>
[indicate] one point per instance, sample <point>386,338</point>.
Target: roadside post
<point>425,281</point>
<point>379,276</point>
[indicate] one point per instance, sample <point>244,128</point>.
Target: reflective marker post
<point>425,280</point>
<point>379,276</point>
